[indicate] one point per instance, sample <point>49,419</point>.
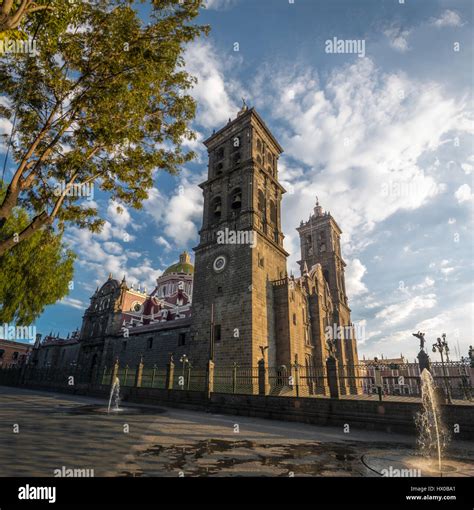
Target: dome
<point>183,266</point>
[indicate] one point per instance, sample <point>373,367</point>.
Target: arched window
<point>259,160</point>
<point>273,212</point>
<point>259,145</point>
<point>236,158</point>
<point>220,153</point>
<point>261,201</point>
<point>219,168</point>
<point>216,209</point>
<point>236,200</point>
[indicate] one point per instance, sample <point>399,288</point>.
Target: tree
<point>14,12</point>
<point>33,274</point>
<point>105,102</point>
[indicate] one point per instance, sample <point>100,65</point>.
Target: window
<point>273,212</point>
<point>261,201</point>
<point>181,339</point>
<point>217,333</point>
<point>294,319</point>
<point>236,158</point>
<point>259,146</point>
<point>217,208</point>
<point>2,351</point>
<point>219,153</point>
<point>236,200</point>
<point>219,168</point>
<point>150,343</point>
<point>219,290</point>
<point>261,261</point>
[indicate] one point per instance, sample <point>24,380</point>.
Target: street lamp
<point>442,347</point>
<point>184,360</point>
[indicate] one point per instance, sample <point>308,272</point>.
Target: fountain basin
<point>101,409</point>
<point>408,465</point>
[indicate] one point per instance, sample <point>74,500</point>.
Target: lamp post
<point>442,347</point>
<point>184,360</point>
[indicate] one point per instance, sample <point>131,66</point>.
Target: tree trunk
<point>38,222</point>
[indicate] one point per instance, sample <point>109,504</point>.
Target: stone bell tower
<point>320,243</point>
<point>241,245</point>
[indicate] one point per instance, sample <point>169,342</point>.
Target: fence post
<point>234,378</point>
<point>263,385</point>
<point>333,377</point>
<point>378,382</point>
<point>297,376</point>
<point>114,374</point>
<point>169,374</point>
<point>139,374</point>
<point>209,378</point>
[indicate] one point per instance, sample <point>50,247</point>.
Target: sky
<point>383,136</point>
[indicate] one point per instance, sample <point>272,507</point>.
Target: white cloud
<point>426,283</point>
<point>73,303</point>
<point>399,312</point>
<point>355,271</point>
<point>215,106</point>
<point>219,4</point>
<point>463,193</point>
<point>361,136</point>
<point>180,214</point>
<point>118,213</point>
<point>5,126</point>
<point>397,38</point>
<point>448,18</point>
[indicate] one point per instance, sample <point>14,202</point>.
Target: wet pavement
<point>55,431</point>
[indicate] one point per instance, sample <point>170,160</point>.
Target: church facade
<point>237,303</point>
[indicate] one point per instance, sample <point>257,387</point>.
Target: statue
<point>331,347</point>
<point>423,358</point>
<point>421,337</point>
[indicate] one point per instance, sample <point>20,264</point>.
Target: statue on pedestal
<point>423,358</point>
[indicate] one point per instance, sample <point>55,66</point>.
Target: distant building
<point>13,353</point>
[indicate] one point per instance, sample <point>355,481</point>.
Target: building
<point>237,303</point>
<point>13,353</point>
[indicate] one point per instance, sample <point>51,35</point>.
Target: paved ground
<point>57,430</point>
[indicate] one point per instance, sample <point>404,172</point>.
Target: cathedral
<point>237,303</point>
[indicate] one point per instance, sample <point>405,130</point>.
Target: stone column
<point>333,377</point>
<point>263,384</point>
<point>169,374</point>
<point>139,374</point>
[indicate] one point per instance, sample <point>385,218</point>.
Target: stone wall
<point>389,416</point>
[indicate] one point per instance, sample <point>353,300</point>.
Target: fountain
<point>433,437</point>
<point>114,396</point>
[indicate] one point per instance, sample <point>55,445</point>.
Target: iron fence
<point>364,380</point>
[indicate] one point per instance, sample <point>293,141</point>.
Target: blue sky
<point>385,141</point>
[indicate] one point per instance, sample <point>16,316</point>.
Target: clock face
<point>219,263</point>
